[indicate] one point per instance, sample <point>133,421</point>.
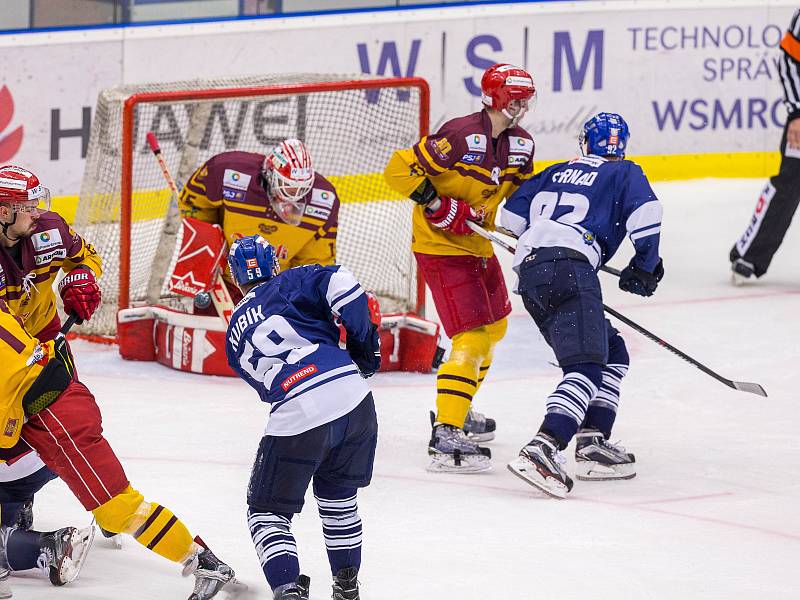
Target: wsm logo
<point>9,144</point>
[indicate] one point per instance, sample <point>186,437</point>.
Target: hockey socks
<point>567,405</point>
<point>154,526</point>
<point>22,548</point>
<point>341,526</point>
<point>275,546</point>
<point>603,407</point>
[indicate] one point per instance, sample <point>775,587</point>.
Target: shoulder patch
<point>44,240</point>
<point>476,142</point>
<point>322,198</point>
<point>520,144</point>
<point>473,157</point>
<point>235,179</point>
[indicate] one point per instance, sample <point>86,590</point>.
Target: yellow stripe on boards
<point>371,187</point>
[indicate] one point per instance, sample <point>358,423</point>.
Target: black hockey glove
<point>640,282</point>
<point>56,376</point>
<point>366,354</point>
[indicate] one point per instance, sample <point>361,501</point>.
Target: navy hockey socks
<point>275,546</point>
<point>22,549</point>
<point>341,525</point>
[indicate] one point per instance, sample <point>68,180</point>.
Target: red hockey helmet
<point>502,84</point>
<point>22,190</point>
<point>290,177</point>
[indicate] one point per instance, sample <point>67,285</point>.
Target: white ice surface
<point>713,513</point>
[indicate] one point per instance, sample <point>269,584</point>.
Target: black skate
<point>24,518</point>
<point>540,464</point>
<point>451,451</point>
<point>210,573</point>
<point>479,427</point>
<point>294,591</point>
<point>597,459</point>
<point>64,551</point>
<point>345,584</point>
<point>741,271</point>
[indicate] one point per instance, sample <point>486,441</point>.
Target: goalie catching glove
<point>366,354</point>
<point>80,293</point>
<point>452,214</point>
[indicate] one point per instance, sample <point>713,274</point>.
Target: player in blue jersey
<point>322,428</point>
<point>570,219</point>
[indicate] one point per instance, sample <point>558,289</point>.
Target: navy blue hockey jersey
<point>588,204</point>
<point>282,340</point>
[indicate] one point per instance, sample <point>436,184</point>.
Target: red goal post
<point>351,125</point>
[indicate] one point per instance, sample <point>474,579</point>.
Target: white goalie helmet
<point>290,177</point>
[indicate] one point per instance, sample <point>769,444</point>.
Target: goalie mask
<point>289,178</point>
<point>508,89</point>
<point>605,134</point>
<point>252,259</point>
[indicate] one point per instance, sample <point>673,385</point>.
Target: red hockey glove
<point>452,215</point>
<point>80,293</point>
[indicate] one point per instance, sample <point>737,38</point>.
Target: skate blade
<point>81,542</point>
<point>593,471</point>
<point>530,475</point>
<point>481,437</point>
<point>473,463</point>
<point>738,280</point>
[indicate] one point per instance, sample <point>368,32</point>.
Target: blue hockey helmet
<point>605,134</point>
<point>252,259</point>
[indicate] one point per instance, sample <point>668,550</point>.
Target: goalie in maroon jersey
<point>278,196</point>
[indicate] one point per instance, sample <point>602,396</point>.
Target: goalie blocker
<point>196,343</point>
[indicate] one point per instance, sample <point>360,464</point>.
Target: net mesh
<point>350,134</point>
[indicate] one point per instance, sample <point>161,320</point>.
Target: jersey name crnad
<point>282,340</point>
<point>462,161</point>
<point>588,204</point>
<point>228,190</point>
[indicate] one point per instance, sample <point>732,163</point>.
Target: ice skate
<point>25,516</point>
<point>294,591</point>
<point>64,552</point>
<point>5,587</point>
<point>451,451</point>
<point>345,584</point>
<point>210,573</point>
<point>741,271</point>
<point>479,427</point>
<point>597,459</point>
<point>541,464</point>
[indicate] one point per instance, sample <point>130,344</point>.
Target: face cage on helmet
<point>289,207</point>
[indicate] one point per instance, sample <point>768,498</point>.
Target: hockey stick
<point>218,292</point>
<point>742,386</point>
<point>506,246</point>
<point>71,320</point>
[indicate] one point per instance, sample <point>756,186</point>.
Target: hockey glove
<point>452,215</point>
<point>637,281</point>
<point>366,354</point>
<point>80,293</point>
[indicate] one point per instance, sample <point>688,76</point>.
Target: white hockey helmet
<point>290,177</point>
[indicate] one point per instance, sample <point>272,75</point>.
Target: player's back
<point>282,340</point>
<point>583,204</point>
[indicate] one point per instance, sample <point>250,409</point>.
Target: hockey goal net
<point>351,125</point>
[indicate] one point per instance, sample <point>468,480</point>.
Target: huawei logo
<point>9,144</point>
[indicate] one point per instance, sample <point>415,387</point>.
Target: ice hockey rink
<point>713,512</point>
